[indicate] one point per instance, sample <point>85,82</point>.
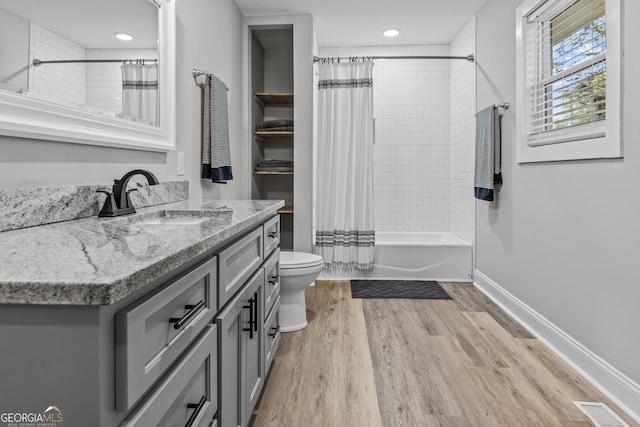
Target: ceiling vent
<point>600,414</point>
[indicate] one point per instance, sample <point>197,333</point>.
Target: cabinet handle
<point>255,315</point>
<point>250,307</point>
<point>273,280</point>
<point>275,331</point>
<point>193,309</point>
<point>198,407</point>
<point>273,234</point>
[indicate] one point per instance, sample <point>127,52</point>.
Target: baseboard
<point>619,388</point>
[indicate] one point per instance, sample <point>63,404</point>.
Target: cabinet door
<point>231,332</point>
<point>272,281</point>
<point>241,368</point>
<point>272,335</point>
<point>253,372</point>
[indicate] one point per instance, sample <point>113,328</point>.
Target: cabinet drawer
<point>271,235</point>
<point>272,335</point>
<point>237,263</point>
<point>271,281</point>
<point>153,332</point>
<point>187,393</point>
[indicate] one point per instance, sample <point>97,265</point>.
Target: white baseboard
<point>619,388</point>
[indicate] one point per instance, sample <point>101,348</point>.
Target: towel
<point>281,123</point>
<point>271,165</point>
<point>216,158</point>
<point>488,143</point>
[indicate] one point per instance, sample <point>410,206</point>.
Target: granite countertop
<point>97,261</point>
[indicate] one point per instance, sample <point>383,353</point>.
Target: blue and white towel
<point>488,144</point>
<point>216,157</point>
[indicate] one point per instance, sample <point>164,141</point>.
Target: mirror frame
<point>25,117</point>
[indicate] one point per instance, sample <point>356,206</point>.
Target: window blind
<point>565,71</point>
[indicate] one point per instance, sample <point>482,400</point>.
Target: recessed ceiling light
<point>123,36</point>
<point>391,32</point>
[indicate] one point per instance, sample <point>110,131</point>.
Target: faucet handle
<point>109,204</point>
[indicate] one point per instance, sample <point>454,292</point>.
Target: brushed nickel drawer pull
<point>194,415</point>
<point>273,234</point>
<point>193,309</point>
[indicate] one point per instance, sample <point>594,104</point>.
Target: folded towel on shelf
<point>275,162</point>
<point>488,144</point>
<point>281,123</point>
<point>277,129</point>
<point>216,157</point>
<point>275,165</point>
<point>274,169</point>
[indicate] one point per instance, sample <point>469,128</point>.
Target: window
<point>568,77</point>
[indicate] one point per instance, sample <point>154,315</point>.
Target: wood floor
<point>387,362</point>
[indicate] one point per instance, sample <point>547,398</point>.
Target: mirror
<point>65,76</point>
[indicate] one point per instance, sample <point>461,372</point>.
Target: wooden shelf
<point>275,98</point>
<point>275,134</point>
<point>286,209</point>
<point>271,173</point>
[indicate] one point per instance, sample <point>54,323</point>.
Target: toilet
<point>297,271</point>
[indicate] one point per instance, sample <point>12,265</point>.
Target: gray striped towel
<point>488,171</point>
<point>216,158</point>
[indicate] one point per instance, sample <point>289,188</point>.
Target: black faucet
<point>117,202</point>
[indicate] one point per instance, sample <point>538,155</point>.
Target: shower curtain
<point>140,93</point>
<point>345,233</point>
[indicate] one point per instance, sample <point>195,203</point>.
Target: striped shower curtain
<point>345,234</point>
<point>140,93</point>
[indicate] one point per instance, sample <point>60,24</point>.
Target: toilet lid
<point>290,259</point>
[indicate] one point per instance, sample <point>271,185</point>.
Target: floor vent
<point>600,414</point>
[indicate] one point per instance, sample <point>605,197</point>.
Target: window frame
<point>574,142</point>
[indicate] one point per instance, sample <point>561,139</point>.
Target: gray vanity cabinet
<point>241,336</point>
<point>187,348</point>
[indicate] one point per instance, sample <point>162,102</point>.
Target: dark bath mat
<point>412,289</point>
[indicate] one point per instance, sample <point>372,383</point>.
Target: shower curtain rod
<point>36,62</point>
<point>469,58</point>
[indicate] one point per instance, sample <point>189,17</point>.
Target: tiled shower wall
<point>462,127</point>
<point>96,85</point>
<point>61,83</point>
<point>411,152</point>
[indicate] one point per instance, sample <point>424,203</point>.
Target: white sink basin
<point>174,218</point>
<point>173,221</point>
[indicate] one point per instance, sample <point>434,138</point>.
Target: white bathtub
<point>418,256</point>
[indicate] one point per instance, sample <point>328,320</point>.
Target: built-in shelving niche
<point>272,86</point>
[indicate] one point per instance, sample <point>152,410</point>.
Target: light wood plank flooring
<point>387,362</point>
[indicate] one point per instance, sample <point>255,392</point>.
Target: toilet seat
<point>298,260</point>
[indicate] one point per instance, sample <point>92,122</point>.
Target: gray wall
<point>563,237</point>
<point>209,35</point>
<point>14,51</point>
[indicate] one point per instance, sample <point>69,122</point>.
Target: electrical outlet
<point>180,163</point>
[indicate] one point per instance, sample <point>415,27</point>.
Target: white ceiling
<point>360,22</point>
<point>91,23</point>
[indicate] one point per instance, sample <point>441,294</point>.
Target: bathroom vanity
<point>168,317</point>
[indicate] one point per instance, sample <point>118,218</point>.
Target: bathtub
<point>416,256</point>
